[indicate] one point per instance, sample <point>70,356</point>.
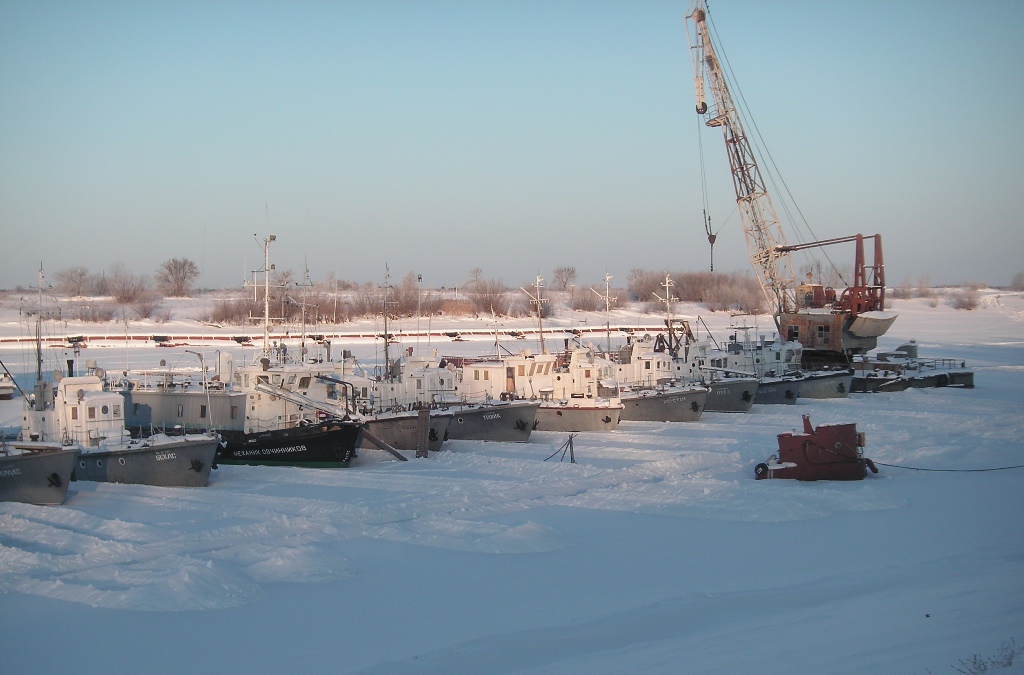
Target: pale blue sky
<point>515,137</point>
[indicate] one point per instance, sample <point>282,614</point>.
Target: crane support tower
<point>830,326</point>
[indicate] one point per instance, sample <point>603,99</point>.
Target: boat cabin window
<point>476,374</point>
<point>262,379</point>
<point>823,334</point>
<point>522,369</point>
<point>304,382</point>
<point>117,411</point>
<point>277,379</point>
<point>419,385</point>
<point>234,411</point>
<point>202,411</point>
<point>793,333</point>
<point>74,413</point>
<point>181,410</point>
<point>487,374</point>
<point>647,365</point>
<point>92,412</point>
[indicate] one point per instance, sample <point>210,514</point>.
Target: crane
<point>850,323</point>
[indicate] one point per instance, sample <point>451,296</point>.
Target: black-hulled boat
<point>326,444</point>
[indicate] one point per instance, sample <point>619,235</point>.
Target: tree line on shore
<point>119,293</point>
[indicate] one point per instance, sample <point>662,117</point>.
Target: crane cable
<point>762,151</point>
<point>704,195</point>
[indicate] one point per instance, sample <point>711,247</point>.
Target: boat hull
<point>40,476</point>
<point>575,418</point>
<point>731,395</point>
<point>401,430</point>
<point>180,463</point>
<point>329,444</point>
<point>871,383</point>
<point>664,406</point>
<point>510,422</point>
<point>827,452</point>
<point>827,384</point>
<point>778,392</point>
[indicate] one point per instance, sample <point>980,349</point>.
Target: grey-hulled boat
<point>505,421</point>
<point>902,369</point>
<point>778,390</point>
<point>36,472</point>
<point>400,430</point>
<point>663,404</point>
<point>80,411</point>
<point>836,383</point>
<point>731,394</point>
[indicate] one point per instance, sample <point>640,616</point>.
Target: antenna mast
<point>539,302</point>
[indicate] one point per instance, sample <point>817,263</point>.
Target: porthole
<point>120,460</point>
<point>104,410</point>
<point>99,462</point>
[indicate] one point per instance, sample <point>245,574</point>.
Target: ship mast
<point>267,267</point>
<point>539,301</point>
<point>607,297</point>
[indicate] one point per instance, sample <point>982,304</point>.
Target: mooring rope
<point>915,468</point>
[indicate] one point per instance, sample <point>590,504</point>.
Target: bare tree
<point>490,296</point>
<point>175,276</point>
<point>563,277</point>
<point>72,280</point>
<point>475,277</point>
<point>126,286</point>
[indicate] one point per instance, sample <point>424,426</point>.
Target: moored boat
<point>826,452</point>
<point>36,473</point>
<point>902,369</point>
<point>80,411</point>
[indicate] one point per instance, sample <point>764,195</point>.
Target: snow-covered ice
<point>657,552</point>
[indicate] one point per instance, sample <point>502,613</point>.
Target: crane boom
<point>831,327</point>
<point>766,242</point>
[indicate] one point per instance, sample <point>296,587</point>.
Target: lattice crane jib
<point>762,230</point>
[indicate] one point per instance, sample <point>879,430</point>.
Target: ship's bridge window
<point>304,382</point>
